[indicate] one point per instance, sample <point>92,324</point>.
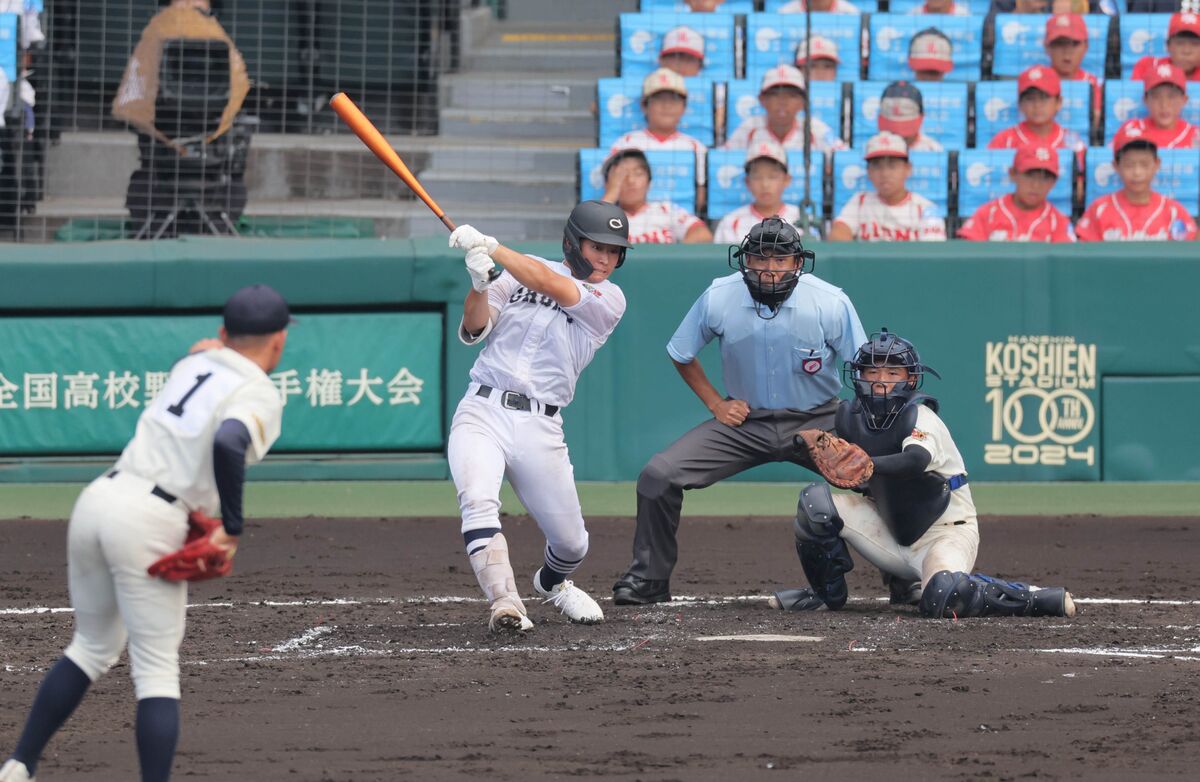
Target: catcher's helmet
<point>603,223</point>
<point>772,238</point>
<point>885,349</point>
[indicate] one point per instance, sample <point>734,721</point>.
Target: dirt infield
<point>358,650</point>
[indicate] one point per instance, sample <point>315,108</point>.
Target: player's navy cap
<point>256,309</point>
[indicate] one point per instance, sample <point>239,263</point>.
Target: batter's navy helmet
<point>772,238</point>
<point>885,349</point>
<point>603,223</point>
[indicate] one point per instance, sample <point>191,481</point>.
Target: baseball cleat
<point>575,604</point>
<point>1068,605</point>
<point>508,617</point>
<point>799,599</point>
<point>15,771</point>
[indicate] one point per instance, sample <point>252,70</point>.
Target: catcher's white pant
<point>117,530</point>
<point>489,442</point>
<point>950,544</point>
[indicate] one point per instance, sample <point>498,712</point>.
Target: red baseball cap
<point>1127,134</point>
<point>1036,157</point>
<point>1069,26</point>
<point>1039,77</point>
<point>1184,23</point>
<point>1164,72</point>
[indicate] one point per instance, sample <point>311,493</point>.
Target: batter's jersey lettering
<point>791,361</point>
<point>1181,135</point>
<point>734,226</point>
<point>930,432</point>
<point>754,129</point>
<point>644,140</point>
<point>173,443</point>
<point>1112,218</point>
<point>914,219</point>
<point>539,348</point>
<point>660,222</point>
<point>1002,220</point>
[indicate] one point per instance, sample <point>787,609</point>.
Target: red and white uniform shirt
<point>1183,135</point>
<point>755,129</point>
<point>660,222</point>
<point>915,219</point>
<point>734,226</point>
<point>1020,135</point>
<point>1112,218</point>
<point>1002,220</point>
<point>1144,66</point>
<point>838,7</point>
<point>644,140</point>
<point>1097,86</point>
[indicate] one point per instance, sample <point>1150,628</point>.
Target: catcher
<point>127,572</point>
<point>912,515</point>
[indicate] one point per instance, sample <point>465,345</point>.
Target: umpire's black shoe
<point>634,591</point>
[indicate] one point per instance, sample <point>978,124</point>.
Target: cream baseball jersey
<point>537,347</point>
<point>172,446</point>
<point>914,219</point>
<point>755,128</point>
<point>660,222</point>
<point>931,433</point>
<point>734,226</point>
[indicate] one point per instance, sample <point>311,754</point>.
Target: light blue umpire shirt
<point>791,361</point>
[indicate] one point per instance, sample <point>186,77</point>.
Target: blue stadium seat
<point>680,7</point>
<point>930,177</point>
<point>890,34</point>
<point>1124,100</point>
<point>1178,175</point>
<point>673,176</point>
<point>642,34</point>
<point>619,101</point>
<point>1142,35</point>
<point>945,111</point>
<point>983,176</point>
<point>9,24</point>
<point>979,7</point>
<point>996,108</point>
<point>1019,43</point>
<point>727,181</point>
<point>864,6</point>
<point>741,103</point>
<point>771,39</point>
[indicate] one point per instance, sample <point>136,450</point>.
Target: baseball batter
<point>218,412</point>
<point>914,518</point>
<point>543,323</point>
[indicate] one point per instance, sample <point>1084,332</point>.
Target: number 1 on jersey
<point>177,408</point>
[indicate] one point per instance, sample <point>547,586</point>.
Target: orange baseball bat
<point>353,116</point>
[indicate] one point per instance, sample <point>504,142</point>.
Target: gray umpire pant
<point>709,453</point>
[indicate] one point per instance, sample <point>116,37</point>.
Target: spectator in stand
<point>664,99</point>
<point>948,7</point>
<point>784,98</point>
<point>682,51</point>
<point>824,64</point>
<point>1165,97</point>
<point>626,181</point>
<point>889,213</point>
<point>703,6</point>
<point>1135,212</point>
<point>1023,215</point>
<point>1039,97</point>
<point>930,55</point>
<point>1066,45</point>
<point>766,178</point>
<point>821,7</point>
<point>1183,48</point>
<point>902,111</point>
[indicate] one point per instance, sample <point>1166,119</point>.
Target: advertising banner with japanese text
<point>349,382</point>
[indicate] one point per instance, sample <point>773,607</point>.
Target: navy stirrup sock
<point>59,696</point>
<point>550,578</point>
<point>157,734</point>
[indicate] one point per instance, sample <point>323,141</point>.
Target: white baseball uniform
<point>734,226</point>
<point>537,349</point>
<point>644,140</point>
<point>755,128</point>
<point>914,219</point>
<point>923,143</point>
<point>660,222</point>
<point>137,512</point>
<point>950,544</point>
<point>838,7</point>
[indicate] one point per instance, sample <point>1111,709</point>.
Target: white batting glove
<point>466,237</point>
<point>480,267</point>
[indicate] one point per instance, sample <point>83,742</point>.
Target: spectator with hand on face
<point>626,183</point>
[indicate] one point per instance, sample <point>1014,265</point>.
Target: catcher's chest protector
<point>908,505</point>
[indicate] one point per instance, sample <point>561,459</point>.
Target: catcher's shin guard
<point>963,595</point>
<point>824,556</point>
<point>495,576</point>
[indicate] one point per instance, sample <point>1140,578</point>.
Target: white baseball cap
<point>663,80</point>
<point>683,40</point>
<point>782,76</point>
<point>766,148</point>
<point>886,144</point>
<point>822,49</point>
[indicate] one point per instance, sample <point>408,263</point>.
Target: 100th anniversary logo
<point>1042,392</point>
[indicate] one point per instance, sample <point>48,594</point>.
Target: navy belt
<point>957,481</point>
<point>514,401</point>
<point>157,491</point>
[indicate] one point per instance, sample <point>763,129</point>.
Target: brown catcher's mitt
<point>199,559</point>
<point>839,461</point>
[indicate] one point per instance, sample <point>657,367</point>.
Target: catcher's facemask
<point>771,259</point>
<point>883,401</point>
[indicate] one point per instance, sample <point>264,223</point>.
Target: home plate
<point>762,637</point>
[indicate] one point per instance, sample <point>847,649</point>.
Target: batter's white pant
<point>489,442</point>
<point>117,530</point>
<point>950,544</point>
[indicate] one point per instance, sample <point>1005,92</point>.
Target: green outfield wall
<point>1058,363</point>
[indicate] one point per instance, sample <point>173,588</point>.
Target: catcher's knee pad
<point>824,556</point>
<point>961,594</point>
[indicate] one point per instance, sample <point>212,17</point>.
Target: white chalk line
<point>1146,653</point>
